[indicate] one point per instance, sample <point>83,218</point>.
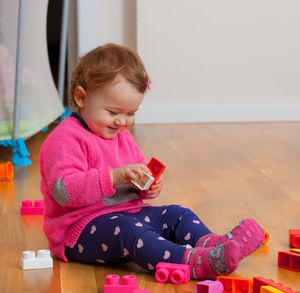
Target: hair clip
<point>148,82</point>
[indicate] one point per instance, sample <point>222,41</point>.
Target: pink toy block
<point>175,273</point>
<point>289,260</point>
<point>235,285</point>
<point>294,238</point>
<point>113,284</point>
<point>28,208</point>
<point>260,281</point>
<point>140,291</point>
<point>209,286</point>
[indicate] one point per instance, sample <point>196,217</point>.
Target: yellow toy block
<point>269,289</point>
<point>297,250</point>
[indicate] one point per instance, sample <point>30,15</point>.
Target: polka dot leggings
<point>152,235</point>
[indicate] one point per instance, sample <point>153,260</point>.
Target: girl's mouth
<point>113,129</point>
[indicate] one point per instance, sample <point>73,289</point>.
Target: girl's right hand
<point>126,173</point>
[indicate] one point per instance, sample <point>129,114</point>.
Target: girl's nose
<point>121,121</point>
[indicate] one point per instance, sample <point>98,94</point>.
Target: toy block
<point>209,286</point>
<point>113,284</point>
<point>6,171</point>
<point>144,183</point>
<point>296,250</point>
<point>269,289</point>
<point>235,285</point>
<point>175,273</point>
<point>140,291</point>
<point>294,238</point>
<point>30,261</point>
<point>289,260</point>
<point>266,237</point>
<point>260,281</point>
<point>156,167</point>
<point>28,208</point>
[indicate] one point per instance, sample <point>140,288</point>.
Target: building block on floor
<point>289,260</point>
<point>6,171</point>
<point>269,289</point>
<point>209,286</point>
<point>43,260</point>
<point>296,250</point>
<point>261,281</point>
<point>294,238</point>
<point>113,284</point>
<point>267,236</point>
<point>28,208</point>
<point>140,291</point>
<point>235,285</point>
<point>175,273</point>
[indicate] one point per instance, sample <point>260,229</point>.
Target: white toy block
<point>30,261</point>
<point>145,182</point>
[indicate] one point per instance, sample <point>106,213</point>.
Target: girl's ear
<point>80,96</point>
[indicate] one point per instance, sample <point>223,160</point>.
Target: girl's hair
<point>100,66</point>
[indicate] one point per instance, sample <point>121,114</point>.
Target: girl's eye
<point>113,113</point>
<point>130,114</point>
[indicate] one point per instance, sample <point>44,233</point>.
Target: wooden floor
<point>224,172</point>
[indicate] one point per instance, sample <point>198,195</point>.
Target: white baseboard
<point>217,113</point>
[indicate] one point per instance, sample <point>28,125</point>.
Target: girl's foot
<point>248,234</point>
<point>208,263</point>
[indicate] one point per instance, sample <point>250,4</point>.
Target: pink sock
<point>208,263</point>
<point>248,234</point>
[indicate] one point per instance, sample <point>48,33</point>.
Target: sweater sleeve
<point>68,177</point>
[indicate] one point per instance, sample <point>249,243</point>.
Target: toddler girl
<point>93,213</point>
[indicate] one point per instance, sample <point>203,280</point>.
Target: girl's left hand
<point>156,187</point>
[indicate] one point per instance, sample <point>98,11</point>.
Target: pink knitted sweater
<point>75,169</point>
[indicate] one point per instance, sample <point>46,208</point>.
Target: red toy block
<point>295,238</point>
<point>156,168</point>
<point>289,260</point>
<point>260,281</point>
<point>209,286</point>
<point>113,284</point>
<point>175,273</point>
<point>28,209</point>
<point>235,285</point>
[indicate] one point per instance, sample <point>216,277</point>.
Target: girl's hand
<point>156,187</point>
<point>126,173</point>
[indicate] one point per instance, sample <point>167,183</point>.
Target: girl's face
<point>110,109</point>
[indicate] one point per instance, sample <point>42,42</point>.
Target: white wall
<point>209,60</point>
<point>215,60</point>
<point>105,21</point>
<point>118,22</point>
